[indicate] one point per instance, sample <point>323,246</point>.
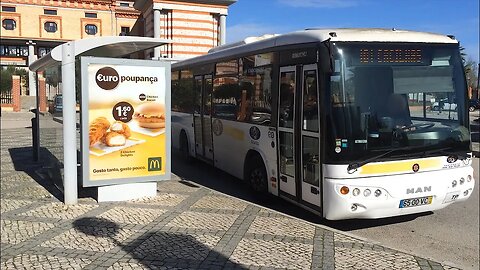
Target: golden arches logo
<point>155,164</point>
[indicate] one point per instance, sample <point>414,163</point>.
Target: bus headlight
<point>454,183</point>
<point>356,191</point>
<point>462,180</point>
<point>367,192</point>
<point>377,193</point>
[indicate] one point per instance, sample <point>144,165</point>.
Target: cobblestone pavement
<point>184,227</point>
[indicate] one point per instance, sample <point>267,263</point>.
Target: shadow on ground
<point>206,175</point>
<point>46,172</point>
<point>158,249</point>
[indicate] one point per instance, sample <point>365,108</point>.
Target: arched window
<point>50,27</point>
<point>9,24</point>
<point>91,29</point>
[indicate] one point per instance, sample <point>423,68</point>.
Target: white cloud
<point>319,3</point>
<point>241,31</point>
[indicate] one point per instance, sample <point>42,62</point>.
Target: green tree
<point>6,77</point>
<point>471,72</point>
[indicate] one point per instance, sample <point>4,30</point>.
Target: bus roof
<point>253,44</point>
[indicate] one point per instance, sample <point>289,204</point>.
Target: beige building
<point>195,26</point>
<point>31,28</point>
<point>40,25</point>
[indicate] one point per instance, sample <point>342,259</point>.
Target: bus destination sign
<point>391,56</point>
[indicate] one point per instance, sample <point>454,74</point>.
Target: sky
<point>450,17</point>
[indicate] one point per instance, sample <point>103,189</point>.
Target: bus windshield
<point>383,96</point>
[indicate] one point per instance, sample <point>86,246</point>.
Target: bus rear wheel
<point>184,150</point>
<point>257,176</point>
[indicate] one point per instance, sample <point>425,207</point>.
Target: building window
<point>49,12</point>
<point>91,29</point>
<point>90,15</point>
<point>43,51</point>
<point>122,4</point>
<point>8,9</point>
<point>124,31</point>
<point>13,50</point>
<point>9,24</point>
<point>50,27</point>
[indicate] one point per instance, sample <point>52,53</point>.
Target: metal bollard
<point>35,136</point>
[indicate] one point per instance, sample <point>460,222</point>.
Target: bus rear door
<point>202,118</point>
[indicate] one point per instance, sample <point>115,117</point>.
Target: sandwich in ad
<point>150,115</point>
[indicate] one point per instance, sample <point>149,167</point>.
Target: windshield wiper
<point>450,151</point>
<point>353,167</point>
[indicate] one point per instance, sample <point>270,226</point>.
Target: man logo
<point>155,164</point>
<point>419,190</point>
<point>107,78</point>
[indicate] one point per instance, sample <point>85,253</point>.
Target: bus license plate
<point>415,202</point>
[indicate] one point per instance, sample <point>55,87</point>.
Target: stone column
<point>223,29</point>
<point>42,94</point>
<point>16,93</point>
<point>156,31</point>
<point>31,75</point>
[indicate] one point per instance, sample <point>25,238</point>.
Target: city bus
<point>338,121</point>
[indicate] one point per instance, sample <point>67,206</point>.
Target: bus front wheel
<point>257,175</point>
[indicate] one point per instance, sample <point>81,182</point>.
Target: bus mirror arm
<point>328,66</point>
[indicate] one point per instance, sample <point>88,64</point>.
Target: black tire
<point>256,176</point>
<point>471,109</point>
<point>184,149</point>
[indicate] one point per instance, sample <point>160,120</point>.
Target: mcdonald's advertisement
<point>127,122</point>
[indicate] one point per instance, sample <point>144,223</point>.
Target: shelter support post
<point>69,124</point>
<point>31,75</point>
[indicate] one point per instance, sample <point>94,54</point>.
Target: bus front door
<point>299,134</point>
<point>310,138</point>
<point>202,117</point>
<point>286,130</point>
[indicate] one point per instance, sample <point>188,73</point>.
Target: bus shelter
<point>103,118</point>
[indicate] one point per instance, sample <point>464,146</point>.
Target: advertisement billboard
<point>125,121</point>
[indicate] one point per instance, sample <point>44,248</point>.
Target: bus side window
<point>310,101</point>
<point>287,98</point>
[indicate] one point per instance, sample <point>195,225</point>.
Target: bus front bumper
<point>395,195</point>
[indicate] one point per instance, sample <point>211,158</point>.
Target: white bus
<point>338,121</point>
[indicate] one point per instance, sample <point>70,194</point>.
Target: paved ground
<point>185,226</point>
